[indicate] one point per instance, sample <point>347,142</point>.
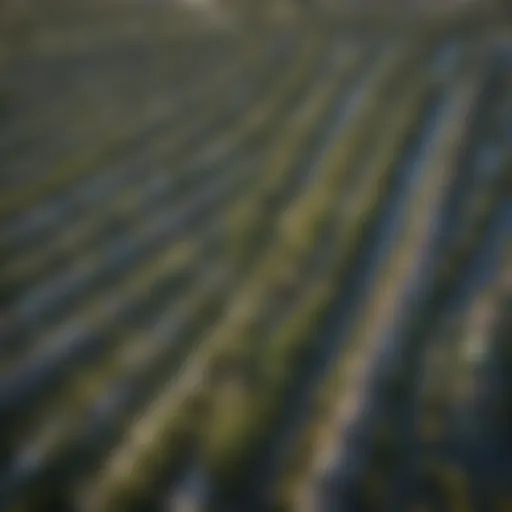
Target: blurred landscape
<point>255,256</point>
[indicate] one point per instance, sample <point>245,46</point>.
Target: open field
<point>255,264</point>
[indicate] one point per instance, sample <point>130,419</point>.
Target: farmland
<point>254,265</point>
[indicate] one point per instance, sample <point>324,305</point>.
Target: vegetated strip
<point>86,163</point>
<point>44,445</point>
<point>251,219</point>
<point>179,65</point>
<point>103,311</point>
<point>96,263</point>
<point>384,380</point>
<point>371,242</point>
<point>240,432</point>
<point>340,397</point>
<point>153,350</point>
<point>460,223</point>
<point>451,434</point>
<point>189,123</point>
<point>43,135</point>
<point>182,390</point>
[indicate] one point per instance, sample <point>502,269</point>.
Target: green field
<point>255,260</point>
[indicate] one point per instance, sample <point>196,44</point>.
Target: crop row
<point>143,289</point>
<point>282,284</point>
<point>112,480</point>
<point>171,132</point>
<point>100,260</point>
<point>341,397</point>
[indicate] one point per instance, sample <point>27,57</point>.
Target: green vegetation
<point>232,233</point>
